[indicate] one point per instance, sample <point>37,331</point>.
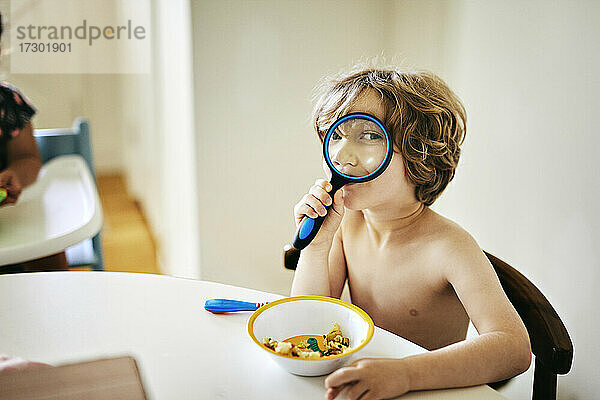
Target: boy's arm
<point>501,350</point>
<point>321,269</point>
<point>23,156</point>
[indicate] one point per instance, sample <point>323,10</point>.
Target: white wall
<point>256,63</point>
<point>528,180</point>
<point>159,140</point>
<point>174,111</point>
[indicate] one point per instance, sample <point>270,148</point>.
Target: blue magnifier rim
<point>332,129</point>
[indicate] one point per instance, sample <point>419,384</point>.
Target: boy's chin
<point>353,203</point>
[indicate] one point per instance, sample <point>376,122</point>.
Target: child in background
<point>417,274</point>
<point>20,163</point>
<point>19,156</point>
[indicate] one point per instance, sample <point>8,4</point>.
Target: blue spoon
<point>219,306</point>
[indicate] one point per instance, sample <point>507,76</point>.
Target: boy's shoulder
<point>451,245</point>
<point>443,230</point>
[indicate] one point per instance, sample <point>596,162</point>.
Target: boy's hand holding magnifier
<point>357,148</point>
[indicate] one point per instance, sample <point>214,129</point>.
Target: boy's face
<point>358,147</point>
<point>391,188</point>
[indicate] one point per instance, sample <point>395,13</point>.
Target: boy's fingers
<point>342,376</point>
<point>316,205</point>
<point>333,392</point>
<point>302,208</point>
<point>324,184</point>
<point>321,194</point>
<point>314,202</point>
<point>358,391</point>
<point>305,209</point>
<point>311,206</point>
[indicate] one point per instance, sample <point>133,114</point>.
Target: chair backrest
<point>57,142</point>
<point>550,341</point>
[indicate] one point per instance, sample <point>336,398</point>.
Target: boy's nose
<point>344,160</point>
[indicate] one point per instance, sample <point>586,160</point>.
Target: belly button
<point>413,312</point>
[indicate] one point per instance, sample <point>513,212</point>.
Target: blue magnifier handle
<point>307,230</point>
<point>309,227</point>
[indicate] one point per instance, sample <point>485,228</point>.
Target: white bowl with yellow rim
<point>310,315</point>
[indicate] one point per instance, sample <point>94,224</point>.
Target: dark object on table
<point>107,379</point>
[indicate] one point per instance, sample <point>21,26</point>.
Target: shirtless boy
<point>416,273</point>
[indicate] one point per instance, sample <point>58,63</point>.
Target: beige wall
<point>255,65</point>
<point>59,99</point>
<point>528,181</point>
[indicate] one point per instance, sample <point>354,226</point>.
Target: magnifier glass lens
<point>357,147</point>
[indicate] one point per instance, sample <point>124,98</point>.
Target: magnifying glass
<point>357,148</point>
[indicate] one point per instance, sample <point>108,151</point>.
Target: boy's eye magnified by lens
<point>357,147</point>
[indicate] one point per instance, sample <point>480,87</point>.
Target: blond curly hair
<point>426,119</point>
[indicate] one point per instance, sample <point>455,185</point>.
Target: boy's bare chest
<point>405,293</point>
<point>385,279</point>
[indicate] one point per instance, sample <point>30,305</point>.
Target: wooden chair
<point>550,341</point>
<point>75,140</point>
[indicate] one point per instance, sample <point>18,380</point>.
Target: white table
<point>183,351</point>
<point>59,210</point>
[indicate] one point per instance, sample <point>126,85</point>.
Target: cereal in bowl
<point>312,347</point>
